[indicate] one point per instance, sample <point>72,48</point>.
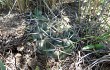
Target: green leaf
<point>2,67</point>
<point>99,46</point>
<point>37,68</point>
<point>88,47</point>
<point>104,36</point>
<point>95,46</point>
<point>102,1</point>
<point>49,50</point>
<point>38,15</point>
<point>2,2</point>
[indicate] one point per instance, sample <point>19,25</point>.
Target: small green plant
<point>2,67</point>
<point>57,39</point>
